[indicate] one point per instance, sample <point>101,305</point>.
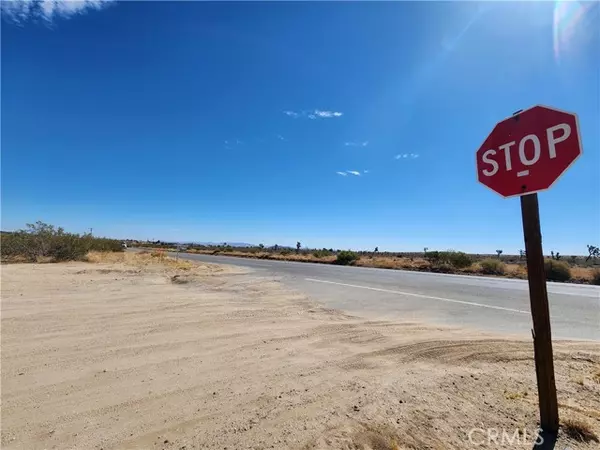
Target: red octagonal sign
<point>529,151</point>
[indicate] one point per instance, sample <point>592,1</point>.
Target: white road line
<point>420,296</point>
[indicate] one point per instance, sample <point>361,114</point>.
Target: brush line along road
<point>484,303</point>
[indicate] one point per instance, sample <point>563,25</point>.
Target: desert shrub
<point>286,251</point>
<point>346,257</point>
<point>40,240</point>
<point>492,267</point>
<point>596,277</point>
<point>557,270</point>
<point>321,253</point>
<point>457,260</point>
<point>433,257</point>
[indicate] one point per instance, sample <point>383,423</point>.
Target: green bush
<point>596,277</point>
<point>286,251</point>
<point>492,267</point>
<point>346,257</point>
<point>41,240</point>
<point>321,253</point>
<point>433,257</point>
<point>457,260</point>
<point>557,270</point>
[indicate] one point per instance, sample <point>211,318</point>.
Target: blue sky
<point>345,125</point>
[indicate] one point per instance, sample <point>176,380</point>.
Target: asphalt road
<point>484,303</point>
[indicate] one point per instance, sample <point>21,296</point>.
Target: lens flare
<point>567,16</point>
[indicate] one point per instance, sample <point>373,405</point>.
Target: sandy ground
<point>134,355</point>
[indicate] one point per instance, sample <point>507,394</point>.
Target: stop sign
<point>529,151</point>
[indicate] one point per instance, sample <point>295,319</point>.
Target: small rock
<point>356,408</point>
<point>166,441</point>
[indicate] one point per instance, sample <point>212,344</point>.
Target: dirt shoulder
<point>149,355</point>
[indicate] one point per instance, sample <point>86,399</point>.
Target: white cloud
<point>344,174</point>
<point>327,114</point>
<point>365,171</point>
<point>353,172</point>
<point>406,155</point>
<point>356,144</point>
<point>23,10</point>
<point>281,138</point>
<point>314,114</point>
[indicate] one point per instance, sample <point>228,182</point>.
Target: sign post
<point>525,154</point>
<point>540,313</point>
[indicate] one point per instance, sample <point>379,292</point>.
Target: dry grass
<point>585,274</point>
<point>388,262</point>
<point>515,395</point>
<point>579,430</point>
<point>140,259</point>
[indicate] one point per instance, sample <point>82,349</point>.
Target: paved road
<point>489,304</point>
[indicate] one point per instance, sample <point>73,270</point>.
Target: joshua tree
<point>298,245</point>
<point>499,253</point>
<point>594,252</point>
<point>522,254</point>
<point>425,249</point>
<point>261,246</point>
<point>376,249</point>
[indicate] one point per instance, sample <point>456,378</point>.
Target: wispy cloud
<point>327,114</point>
<point>23,10</point>
<point>406,156</point>
<point>314,114</point>
<point>281,138</point>
<point>356,173</point>
<point>356,144</point>
<point>229,144</point>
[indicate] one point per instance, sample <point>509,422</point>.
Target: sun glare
<point>568,16</point>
